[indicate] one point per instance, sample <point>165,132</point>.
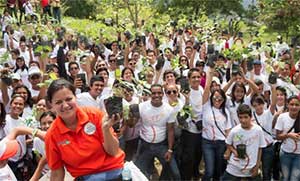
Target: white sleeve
<point>280,123</point>
<point>229,139</point>
<point>228,123</point>
<point>262,141</point>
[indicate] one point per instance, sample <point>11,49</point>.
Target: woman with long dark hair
<point>288,130</point>
<point>216,124</point>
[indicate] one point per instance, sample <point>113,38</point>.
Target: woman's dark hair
<point>29,100</point>
<point>169,72</point>
<point>2,115</point>
<point>292,97</point>
<point>96,78</point>
<point>187,61</point>
<point>223,105</point>
<point>283,90</point>
<point>47,113</point>
<point>235,86</point>
<point>259,99</point>
<point>102,69</point>
<point>24,66</point>
<point>127,68</point>
<point>14,96</point>
<point>244,109</point>
<point>57,85</point>
<point>191,71</point>
<point>72,63</point>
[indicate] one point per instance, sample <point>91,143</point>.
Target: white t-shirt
<point>10,124</point>
<point>265,120</point>
<point>285,123</point>
<point>85,99</point>
<point>253,139</point>
<point>196,103</point>
<point>210,130</point>
<point>232,107</point>
<point>39,146</point>
<point>6,174</point>
<point>154,121</point>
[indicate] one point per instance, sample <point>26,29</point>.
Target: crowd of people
<point>88,106</point>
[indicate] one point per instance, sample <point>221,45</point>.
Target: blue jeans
<point>108,175</point>
<point>146,154</point>
<point>290,166</point>
<point>213,154</point>
<point>267,162</point>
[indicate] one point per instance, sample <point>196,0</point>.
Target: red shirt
<point>80,151</point>
<point>44,3</point>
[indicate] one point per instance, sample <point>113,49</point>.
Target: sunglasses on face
<point>112,61</point>
<point>169,92</point>
<point>218,99</point>
<point>73,68</point>
<point>132,63</point>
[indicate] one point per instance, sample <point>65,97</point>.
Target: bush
<point>81,8</point>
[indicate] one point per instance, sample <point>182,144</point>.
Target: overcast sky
<point>247,2</point>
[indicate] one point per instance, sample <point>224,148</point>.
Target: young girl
<point>264,118</point>
<point>46,120</point>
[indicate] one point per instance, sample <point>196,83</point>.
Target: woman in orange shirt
<point>81,139</point>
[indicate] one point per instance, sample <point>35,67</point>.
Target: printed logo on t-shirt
<point>63,143</point>
<point>89,128</point>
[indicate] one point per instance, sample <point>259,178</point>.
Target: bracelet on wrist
<point>170,150</point>
<point>34,132</point>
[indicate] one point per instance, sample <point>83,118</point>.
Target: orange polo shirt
<point>80,151</point>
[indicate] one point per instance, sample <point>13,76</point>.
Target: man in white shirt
<point>191,136</point>
<point>157,134</point>
<point>92,98</point>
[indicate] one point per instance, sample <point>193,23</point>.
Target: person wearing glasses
<point>216,126</point>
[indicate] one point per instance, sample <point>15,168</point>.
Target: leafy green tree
<point>281,15</point>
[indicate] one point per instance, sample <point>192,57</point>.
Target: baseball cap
<point>34,70</point>
<point>16,76</point>
<point>8,148</point>
<point>257,62</point>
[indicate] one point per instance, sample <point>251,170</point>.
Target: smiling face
<point>170,78</point>
<point>217,100</point>
<point>46,122</point>
<point>245,120</point>
<point>294,106</point>
<point>64,103</point>
<point>97,88</point>
<point>156,96</point>
<point>127,75</point>
<point>194,80</point>
<point>23,92</point>
<point>172,92</point>
<point>17,106</point>
<point>239,94</point>
<point>280,98</point>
